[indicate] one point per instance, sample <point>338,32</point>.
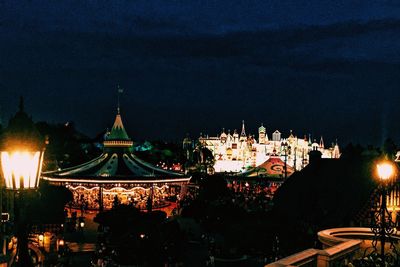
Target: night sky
<point>328,68</point>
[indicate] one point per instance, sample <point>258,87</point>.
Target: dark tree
<point>389,148</point>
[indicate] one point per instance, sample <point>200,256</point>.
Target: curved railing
<point>335,236</point>
<point>340,246</point>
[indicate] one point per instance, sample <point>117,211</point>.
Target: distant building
<point>238,153</point>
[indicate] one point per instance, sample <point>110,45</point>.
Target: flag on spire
<point>120,90</point>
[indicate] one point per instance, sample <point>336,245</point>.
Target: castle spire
<point>243,133</point>
<point>321,143</point>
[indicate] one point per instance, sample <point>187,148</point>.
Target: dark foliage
<point>169,153</point>
<point>389,148</point>
<point>212,187</point>
<point>141,237</point>
<point>67,147</point>
<point>47,205</point>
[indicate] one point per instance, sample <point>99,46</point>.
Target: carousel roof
<point>117,163</point>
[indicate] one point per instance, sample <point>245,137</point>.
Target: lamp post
<point>285,147</point>
<point>21,168</point>
<point>382,224</point>
<point>41,240</point>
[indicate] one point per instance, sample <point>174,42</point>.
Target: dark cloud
<point>185,72</point>
<point>187,17</point>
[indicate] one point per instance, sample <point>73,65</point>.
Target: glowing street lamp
<point>385,171</point>
<point>41,240</point>
<point>21,171</point>
<point>382,225</point>
<point>61,244</point>
<point>21,156</point>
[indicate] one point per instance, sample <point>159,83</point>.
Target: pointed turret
<point>336,151</point>
<point>243,133</point>
<point>235,134</point>
<point>223,136</point>
<point>118,136</point>
<point>229,137</point>
<point>321,143</point>
<point>262,137</point>
<point>291,136</point>
<point>118,131</point>
<point>262,129</point>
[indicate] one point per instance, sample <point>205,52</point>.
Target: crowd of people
<point>85,199</point>
<point>252,196</point>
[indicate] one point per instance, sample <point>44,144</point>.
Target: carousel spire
<point>120,91</point>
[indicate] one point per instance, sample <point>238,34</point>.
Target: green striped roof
<point>118,131</point>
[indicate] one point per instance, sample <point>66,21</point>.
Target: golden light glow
<point>41,237</point>
<point>21,169</point>
<point>385,170</point>
<point>61,242</point>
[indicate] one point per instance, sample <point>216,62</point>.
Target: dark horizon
<point>326,69</point>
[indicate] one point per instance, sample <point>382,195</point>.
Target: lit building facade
<point>234,152</point>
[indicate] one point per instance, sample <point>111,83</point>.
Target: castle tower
<point>314,145</point>
<point>321,143</point>
<point>187,146</point>
<point>262,137</point>
<point>235,136</point>
<point>243,136</point>
<point>276,136</point>
<point>223,136</point>
<point>229,138</point>
<point>336,151</point>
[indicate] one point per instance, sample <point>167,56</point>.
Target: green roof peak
<point>118,131</point>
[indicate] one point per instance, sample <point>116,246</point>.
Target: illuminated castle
<point>240,152</point>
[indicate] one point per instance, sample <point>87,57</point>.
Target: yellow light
<point>61,242</point>
<point>82,224</point>
<point>385,170</point>
<point>41,237</point>
<point>21,169</point>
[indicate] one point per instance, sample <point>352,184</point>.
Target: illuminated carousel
<point>117,175</point>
